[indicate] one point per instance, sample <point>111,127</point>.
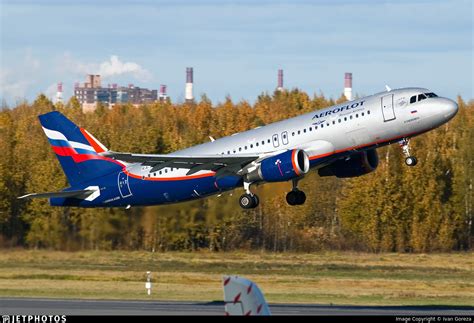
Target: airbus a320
<point>337,141</point>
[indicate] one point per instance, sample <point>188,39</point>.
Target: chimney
<point>59,93</point>
<point>348,86</point>
<point>280,80</point>
<point>189,84</point>
<point>162,94</point>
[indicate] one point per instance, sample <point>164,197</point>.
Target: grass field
<point>323,278</point>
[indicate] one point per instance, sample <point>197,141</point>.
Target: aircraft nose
<point>448,108</point>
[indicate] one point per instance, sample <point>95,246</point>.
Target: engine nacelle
<point>282,167</point>
<point>359,164</point>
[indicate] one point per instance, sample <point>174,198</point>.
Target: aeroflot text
<point>339,109</point>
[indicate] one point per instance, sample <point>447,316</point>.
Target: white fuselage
<point>354,125</point>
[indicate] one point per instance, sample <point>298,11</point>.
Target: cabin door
<point>387,108</point>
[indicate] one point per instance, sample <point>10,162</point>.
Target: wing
<point>78,194</point>
<point>221,164</point>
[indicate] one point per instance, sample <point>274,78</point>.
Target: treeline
<point>396,208</point>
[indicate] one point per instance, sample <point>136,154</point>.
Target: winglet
<point>243,297</point>
<point>388,88</point>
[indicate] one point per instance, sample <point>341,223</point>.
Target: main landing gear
<point>248,200</point>
<point>409,160</point>
<point>251,201</point>
<point>295,196</point>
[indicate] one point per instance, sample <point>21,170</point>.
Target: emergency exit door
<point>387,108</point>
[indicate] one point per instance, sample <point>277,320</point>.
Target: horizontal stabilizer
<point>80,194</point>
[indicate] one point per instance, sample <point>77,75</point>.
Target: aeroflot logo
<point>339,109</point>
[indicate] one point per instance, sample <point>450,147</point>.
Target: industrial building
<point>91,93</point>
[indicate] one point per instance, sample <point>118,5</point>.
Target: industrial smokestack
<point>348,86</point>
<point>162,94</point>
<point>59,93</point>
<point>189,84</point>
<point>280,80</point>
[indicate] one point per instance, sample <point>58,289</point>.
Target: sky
<point>236,47</point>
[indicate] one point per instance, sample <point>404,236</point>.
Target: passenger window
<point>240,148</point>
<point>268,140</point>
<point>334,122</point>
<point>350,117</point>
<point>299,131</point>
<point>322,125</point>
<point>339,120</point>
<point>304,130</point>
<point>413,99</point>
<point>293,133</point>
<point>362,113</point>
<point>310,128</point>
<point>368,111</point>
<point>245,147</point>
<point>345,118</point>
<point>251,146</point>
<point>263,142</point>
<point>256,144</point>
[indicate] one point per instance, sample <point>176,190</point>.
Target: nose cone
<point>448,108</point>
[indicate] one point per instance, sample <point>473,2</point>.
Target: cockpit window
<point>421,97</point>
<point>431,95</point>
<point>413,99</point>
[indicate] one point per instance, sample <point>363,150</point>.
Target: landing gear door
<point>387,108</point>
<point>123,184</point>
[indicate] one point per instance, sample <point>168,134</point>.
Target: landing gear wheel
<point>295,197</point>
<point>256,200</point>
<point>248,201</point>
<point>301,197</point>
<point>411,161</point>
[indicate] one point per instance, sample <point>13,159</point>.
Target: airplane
<point>243,297</point>
<point>340,141</point>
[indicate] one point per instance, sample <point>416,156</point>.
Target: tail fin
<point>76,149</point>
<point>243,297</point>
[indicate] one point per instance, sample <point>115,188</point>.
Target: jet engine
<point>356,165</point>
<point>281,167</point>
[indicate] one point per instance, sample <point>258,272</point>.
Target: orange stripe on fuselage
<point>295,168</point>
<point>163,179</point>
